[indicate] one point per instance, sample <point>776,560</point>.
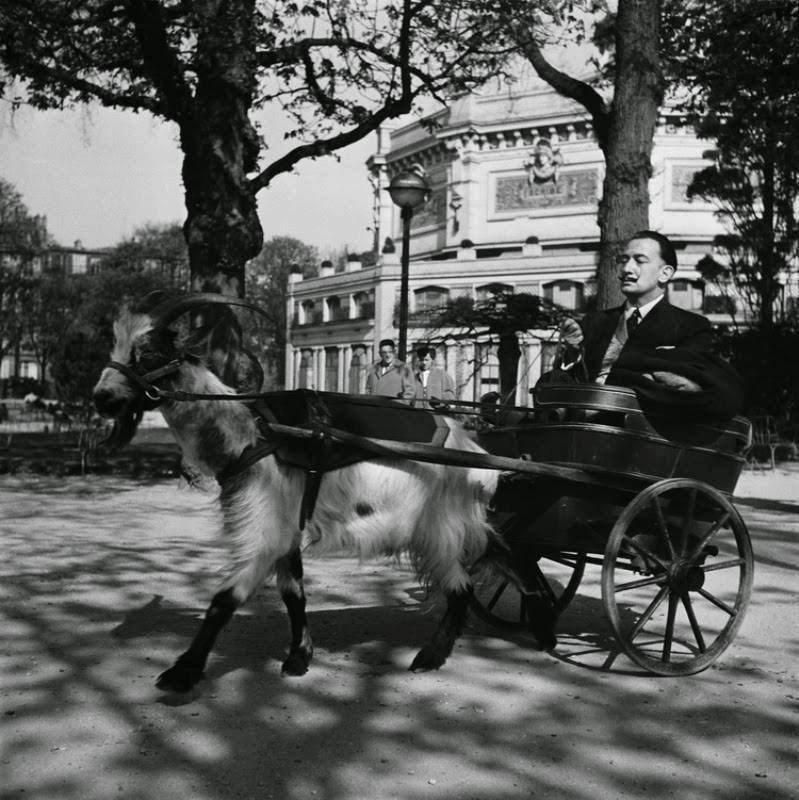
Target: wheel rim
<point>498,598</point>
<point>693,556</point>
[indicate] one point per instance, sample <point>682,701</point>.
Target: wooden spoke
<point>663,525</point>
<point>689,610</point>
<point>650,581</point>
<point>668,637</point>
<point>497,594</point>
<point>650,610</point>
<point>714,529</point>
<point>543,584</point>
<point>688,521</point>
<point>646,552</point>
<point>717,602</point>
<point>733,562</point>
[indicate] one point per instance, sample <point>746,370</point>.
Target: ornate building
<point>516,176</point>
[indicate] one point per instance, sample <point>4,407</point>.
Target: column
<point>343,366</point>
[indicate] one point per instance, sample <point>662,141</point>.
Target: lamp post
<point>408,190</point>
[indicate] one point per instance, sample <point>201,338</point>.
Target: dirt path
<point>103,582</point>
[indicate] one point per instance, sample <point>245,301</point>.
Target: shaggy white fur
<point>435,513</point>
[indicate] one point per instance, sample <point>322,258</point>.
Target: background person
<point>431,382</point>
<point>388,376</point>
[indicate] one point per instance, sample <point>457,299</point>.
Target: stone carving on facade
<point>681,177</point>
<point>543,162</point>
<point>573,188</point>
<point>433,212</point>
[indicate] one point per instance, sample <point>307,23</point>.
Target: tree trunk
<point>624,132</point>
<point>638,94</point>
<point>220,148</point>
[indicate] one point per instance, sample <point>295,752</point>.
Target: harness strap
<point>145,382</point>
<point>249,456</point>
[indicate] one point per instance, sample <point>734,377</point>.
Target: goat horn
<point>167,312</point>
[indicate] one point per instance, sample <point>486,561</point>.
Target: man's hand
<point>674,381</point>
<point>571,333</point>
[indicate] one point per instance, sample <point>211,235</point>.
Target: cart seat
<point>604,427</point>
<point>363,415</point>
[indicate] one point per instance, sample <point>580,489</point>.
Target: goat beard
<point>125,426</point>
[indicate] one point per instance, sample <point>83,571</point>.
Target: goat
<point>435,513</point>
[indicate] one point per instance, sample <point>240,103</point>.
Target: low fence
<point>39,447</point>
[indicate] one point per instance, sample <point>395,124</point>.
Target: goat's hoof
<point>296,664</point>
<point>428,658</point>
<point>179,678</point>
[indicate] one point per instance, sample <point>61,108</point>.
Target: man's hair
<point>421,352</point>
<point>386,343</point>
<point>667,251</point>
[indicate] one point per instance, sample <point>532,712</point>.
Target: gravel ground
<point>103,582</point>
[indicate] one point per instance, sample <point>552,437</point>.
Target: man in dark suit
<point>664,352</point>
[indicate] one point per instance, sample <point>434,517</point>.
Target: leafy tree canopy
<point>338,69</point>
<point>739,67</point>
<point>502,317</point>
<point>21,233</point>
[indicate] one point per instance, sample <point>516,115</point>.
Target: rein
<point>155,394</point>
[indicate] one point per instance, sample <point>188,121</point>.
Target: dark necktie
<point>633,322</point>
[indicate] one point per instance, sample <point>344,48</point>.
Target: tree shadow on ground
<point>500,720</point>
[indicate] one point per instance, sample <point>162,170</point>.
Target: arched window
<point>487,371</point>
<point>686,294</point>
<point>305,377</point>
<point>489,290</point>
<point>430,297</point>
<point>308,313</point>
<point>364,304</point>
<point>565,293</point>
<point>357,373</point>
<point>331,369</point>
<point>336,309</point>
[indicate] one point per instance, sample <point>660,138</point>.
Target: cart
<point>649,500</point>
<point>589,477</point>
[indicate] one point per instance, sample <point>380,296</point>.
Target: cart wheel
<point>498,597</point>
<point>694,557</point>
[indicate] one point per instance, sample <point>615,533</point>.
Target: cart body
<point>589,477</point>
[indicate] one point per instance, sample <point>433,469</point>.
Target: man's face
<point>386,355</point>
<point>426,362</point>
<point>642,271</point>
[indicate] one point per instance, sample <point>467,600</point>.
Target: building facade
<point>516,177</point>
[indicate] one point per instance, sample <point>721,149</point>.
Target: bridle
<point>164,313</point>
<point>156,395</point>
<point>146,382</point>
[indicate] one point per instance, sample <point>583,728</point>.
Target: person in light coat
<point>389,377</point>
<point>431,382</point>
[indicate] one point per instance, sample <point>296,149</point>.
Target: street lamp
<point>408,190</point>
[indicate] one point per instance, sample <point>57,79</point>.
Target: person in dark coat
<point>664,352</point>
<point>431,382</point>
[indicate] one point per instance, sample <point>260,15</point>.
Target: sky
<point>98,174</point>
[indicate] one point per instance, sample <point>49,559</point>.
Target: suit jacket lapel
<point>654,324</point>
<point>598,343</point>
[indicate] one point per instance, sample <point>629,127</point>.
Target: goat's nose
<point>104,401</point>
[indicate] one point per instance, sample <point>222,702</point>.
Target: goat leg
<point>437,650</point>
<point>187,671</point>
<point>289,581</point>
